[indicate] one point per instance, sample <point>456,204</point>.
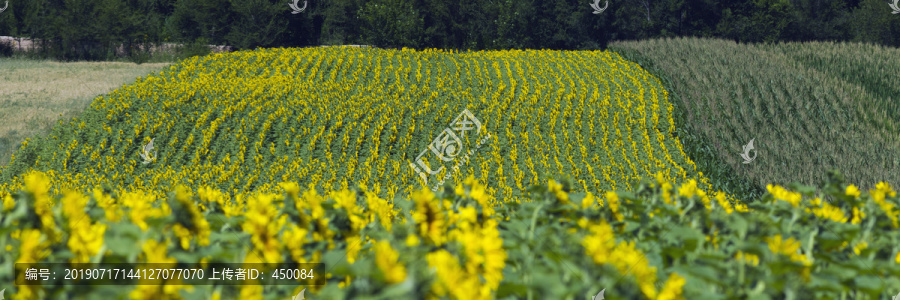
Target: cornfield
<point>811,107</point>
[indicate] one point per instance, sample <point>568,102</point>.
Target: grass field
<point>571,179</point>
<point>34,95</point>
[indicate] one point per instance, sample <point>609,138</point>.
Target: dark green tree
<point>208,19</point>
<point>818,20</point>
<point>755,21</point>
<point>257,23</point>
<point>341,22</point>
<point>392,23</point>
<point>512,24</point>
<point>83,29</point>
<point>873,22</point>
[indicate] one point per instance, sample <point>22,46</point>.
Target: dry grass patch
<point>35,94</point>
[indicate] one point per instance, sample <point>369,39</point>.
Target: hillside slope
<point>337,117</point>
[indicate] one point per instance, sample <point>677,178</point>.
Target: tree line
<point>93,29</point>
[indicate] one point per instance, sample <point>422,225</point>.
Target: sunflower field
<point>575,182</point>
<point>337,117</point>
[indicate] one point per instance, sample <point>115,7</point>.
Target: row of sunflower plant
<point>661,240</point>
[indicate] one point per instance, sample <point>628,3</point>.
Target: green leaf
<point>870,284</point>
<point>121,239</point>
